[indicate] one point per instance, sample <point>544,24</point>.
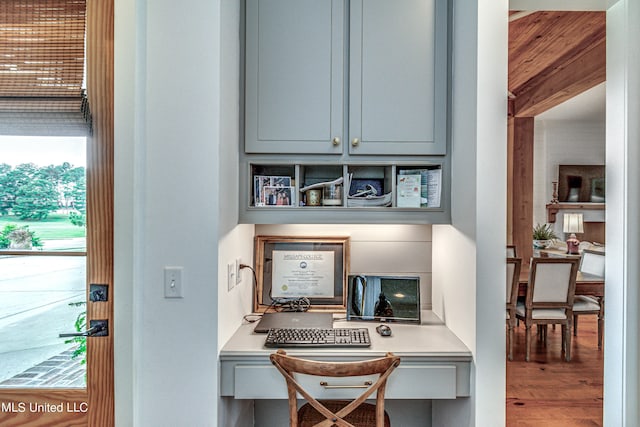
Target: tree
<point>31,192</point>
<point>11,180</point>
<point>75,191</point>
<point>36,199</point>
<point>6,197</point>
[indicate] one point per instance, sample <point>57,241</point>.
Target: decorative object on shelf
<point>314,197</point>
<point>331,192</point>
<point>573,223</point>
<point>543,236</point>
<point>554,197</point>
<point>332,195</point>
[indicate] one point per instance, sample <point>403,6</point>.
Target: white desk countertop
<point>431,339</point>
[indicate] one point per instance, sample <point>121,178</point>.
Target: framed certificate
<point>293,269</point>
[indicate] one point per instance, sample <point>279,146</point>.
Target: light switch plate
<point>173,282</point>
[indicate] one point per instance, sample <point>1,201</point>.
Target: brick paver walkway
<point>58,371</point>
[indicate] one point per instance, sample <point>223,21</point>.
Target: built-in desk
<point>435,364</point>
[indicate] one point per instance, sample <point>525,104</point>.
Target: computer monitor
<point>384,298</point>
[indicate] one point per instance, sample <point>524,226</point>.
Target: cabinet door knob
<point>336,141</point>
<point>355,142</point>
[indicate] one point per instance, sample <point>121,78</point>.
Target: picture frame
<point>581,183</point>
<point>276,196</point>
<point>292,267</point>
<point>262,182</point>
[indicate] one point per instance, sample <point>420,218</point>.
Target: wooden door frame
<point>93,405</point>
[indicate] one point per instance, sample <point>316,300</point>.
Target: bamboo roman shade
<point>42,60</point>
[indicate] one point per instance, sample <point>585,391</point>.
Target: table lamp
<point>573,223</point>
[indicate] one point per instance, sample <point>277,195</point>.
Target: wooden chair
<point>355,413</point>
<point>513,276</point>
<point>549,300</point>
<point>592,262</point>
<point>512,252</point>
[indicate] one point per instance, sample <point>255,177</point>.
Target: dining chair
<point>592,262</point>
<point>513,282</point>
<point>512,252</point>
<point>549,300</point>
<point>342,413</point>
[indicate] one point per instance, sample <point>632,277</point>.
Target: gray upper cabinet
<point>294,101</point>
<point>397,77</point>
<point>298,53</point>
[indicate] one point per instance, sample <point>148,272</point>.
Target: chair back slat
<point>290,366</point>
<point>592,263</point>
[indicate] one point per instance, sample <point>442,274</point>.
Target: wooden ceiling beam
<point>562,82</point>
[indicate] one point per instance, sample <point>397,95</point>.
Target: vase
<point>541,244</point>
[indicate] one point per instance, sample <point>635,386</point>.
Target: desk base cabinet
<point>409,381</point>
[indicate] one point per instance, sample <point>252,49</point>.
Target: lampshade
<point>573,223</point>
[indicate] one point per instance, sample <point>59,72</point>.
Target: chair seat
<point>363,416</point>
<point>542,313</point>
<point>582,303</point>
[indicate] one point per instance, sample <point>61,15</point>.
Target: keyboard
<point>317,337</point>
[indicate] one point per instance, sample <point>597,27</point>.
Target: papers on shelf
<point>408,187</point>
<point>430,185</point>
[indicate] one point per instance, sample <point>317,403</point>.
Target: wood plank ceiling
<point>553,56</point>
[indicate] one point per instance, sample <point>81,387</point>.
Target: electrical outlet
<point>238,275</point>
<point>231,275</point>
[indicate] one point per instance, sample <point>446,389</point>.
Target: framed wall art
<point>293,272</point>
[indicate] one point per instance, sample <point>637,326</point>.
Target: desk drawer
<point>406,382</point>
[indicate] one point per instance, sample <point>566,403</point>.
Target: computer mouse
<point>384,330</point>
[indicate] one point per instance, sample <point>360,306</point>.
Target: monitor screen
<point>384,298</point>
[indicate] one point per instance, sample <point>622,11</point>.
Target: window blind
<point>42,61</point>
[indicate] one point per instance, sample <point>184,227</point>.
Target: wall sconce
<point>573,223</point>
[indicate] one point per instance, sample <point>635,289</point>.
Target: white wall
<point>562,142</point>
<point>468,265</point>
<point>621,344</point>
<point>167,192</point>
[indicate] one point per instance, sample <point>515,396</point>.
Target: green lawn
<point>56,226</point>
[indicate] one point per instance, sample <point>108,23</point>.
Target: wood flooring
<point>549,392</point>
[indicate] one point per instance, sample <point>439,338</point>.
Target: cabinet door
<point>294,76</point>
<point>397,81</point>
